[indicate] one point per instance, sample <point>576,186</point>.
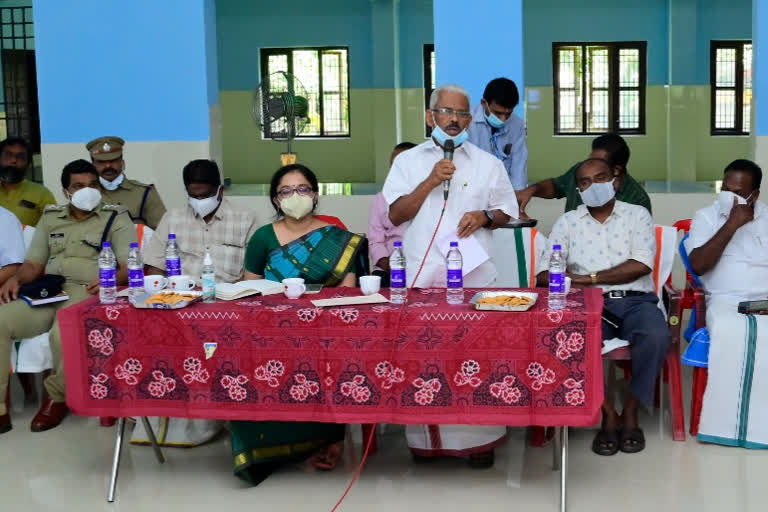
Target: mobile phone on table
<point>314,288</point>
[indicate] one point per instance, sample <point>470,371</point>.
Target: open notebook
<point>232,291</point>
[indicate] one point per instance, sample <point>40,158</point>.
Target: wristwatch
<point>593,277</point>
<point>490,218</point>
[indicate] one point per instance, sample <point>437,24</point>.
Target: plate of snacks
<point>167,299</point>
<point>504,300</point>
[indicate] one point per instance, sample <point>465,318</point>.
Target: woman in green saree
<point>297,244</point>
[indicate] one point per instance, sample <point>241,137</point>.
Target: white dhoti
<point>178,432</point>
<point>453,440</point>
<point>735,408</point>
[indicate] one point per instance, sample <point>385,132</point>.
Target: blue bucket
<point>697,353</point>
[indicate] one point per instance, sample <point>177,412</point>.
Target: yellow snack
<point>506,300</point>
<point>169,298</point>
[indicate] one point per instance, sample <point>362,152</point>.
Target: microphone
<point>447,155</point>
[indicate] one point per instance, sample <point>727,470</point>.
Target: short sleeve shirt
<point>70,247</point>
<point>27,201</point>
<point>12,248</point>
<point>590,246</point>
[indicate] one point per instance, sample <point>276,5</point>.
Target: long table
<point>270,358</point>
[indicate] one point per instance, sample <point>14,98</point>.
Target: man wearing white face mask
<point>67,242</point>
<point>209,221</point>
<point>496,129</point>
<point>611,244</point>
<point>727,246</point>
<point>142,201</point>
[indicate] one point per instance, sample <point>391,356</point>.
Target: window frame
<point>427,65</point>
<point>265,53</point>
<point>738,45</point>
<point>614,87</point>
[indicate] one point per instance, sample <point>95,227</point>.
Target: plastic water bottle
<point>454,292</point>
<point>398,287</point>
<point>557,278</point>
<point>172,257</point>
<point>135,272</point>
<point>107,274</point>
<point>208,276</point>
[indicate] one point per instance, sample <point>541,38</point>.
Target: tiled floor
<point>67,470</point>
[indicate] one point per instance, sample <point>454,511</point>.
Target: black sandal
<point>632,440</point>
<point>606,443</point>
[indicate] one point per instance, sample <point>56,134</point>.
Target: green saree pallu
<point>323,256</point>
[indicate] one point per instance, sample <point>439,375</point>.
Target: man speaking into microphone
<point>480,198</point>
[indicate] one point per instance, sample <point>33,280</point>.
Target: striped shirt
<point>630,191</point>
<point>227,236</point>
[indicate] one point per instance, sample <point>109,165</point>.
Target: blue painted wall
<point>547,21</point>
<point>760,56</point>
<point>139,75</point>
<point>491,25</point>
<point>246,26</point>
<point>718,19</point>
<point>211,54</point>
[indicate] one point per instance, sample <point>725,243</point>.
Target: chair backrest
<point>143,234</point>
<point>666,241</point>
<point>29,233</point>
<point>516,253</point>
<point>330,219</point>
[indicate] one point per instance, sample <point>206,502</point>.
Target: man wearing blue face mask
<point>727,247</point>
<point>611,244</point>
<point>497,130</point>
<point>480,199</point>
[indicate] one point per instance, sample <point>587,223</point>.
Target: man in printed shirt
<point>382,234</point>
<point>611,244</point>
<point>209,221</point>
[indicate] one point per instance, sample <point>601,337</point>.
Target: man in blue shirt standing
<point>498,131</point>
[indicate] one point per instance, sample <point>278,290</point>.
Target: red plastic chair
<point>693,298</point>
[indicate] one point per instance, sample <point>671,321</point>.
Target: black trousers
<point>642,324</point>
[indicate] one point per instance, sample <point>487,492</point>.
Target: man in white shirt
<point>12,249</point>
<point>728,247</point>
<point>480,199</point>
<point>611,244</point>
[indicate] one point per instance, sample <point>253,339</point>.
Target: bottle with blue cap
<point>172,257</point>
<point>557,268</point>
<point>454,291</point>
<point>107,274</point>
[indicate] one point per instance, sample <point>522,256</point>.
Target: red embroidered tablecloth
<point>278,359</point>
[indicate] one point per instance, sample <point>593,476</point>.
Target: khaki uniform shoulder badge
<point>54,208</point>
<point>114,208</point>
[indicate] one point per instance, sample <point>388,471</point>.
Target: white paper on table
<point>473,253</point>
<point>376,298</point>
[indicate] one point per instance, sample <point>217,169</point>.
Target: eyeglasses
<point>449,112</point>
<point>286,192</point>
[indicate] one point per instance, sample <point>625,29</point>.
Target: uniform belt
<point>620,294</point>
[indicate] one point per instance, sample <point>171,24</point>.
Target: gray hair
<point>447,88</point>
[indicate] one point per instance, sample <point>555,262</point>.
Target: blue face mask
<point>494,121</point>
<point>440,136</point>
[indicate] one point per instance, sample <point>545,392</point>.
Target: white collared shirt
<point>479,183</point>
<point>741,273</point>
<point>12,249</point>
<point>591,246</point>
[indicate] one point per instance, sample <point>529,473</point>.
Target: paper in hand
<point>472,252</point>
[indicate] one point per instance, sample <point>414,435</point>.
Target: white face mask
<point>112,185</point>
<point>204,207</point>
<point>297,206</point>
<point>725,200</point>
<point>598,194</point>
<point>85,199</point>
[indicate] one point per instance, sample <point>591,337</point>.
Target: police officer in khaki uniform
<point>143,202</point>
<point>67,242</point>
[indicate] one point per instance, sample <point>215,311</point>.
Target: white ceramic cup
<point>181,283</point>
<point>294,287</point>
<point>370,284</point>
<point>153,284</point>
<point>567,285</point>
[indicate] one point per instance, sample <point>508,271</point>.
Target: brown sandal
<point>328,458</point>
